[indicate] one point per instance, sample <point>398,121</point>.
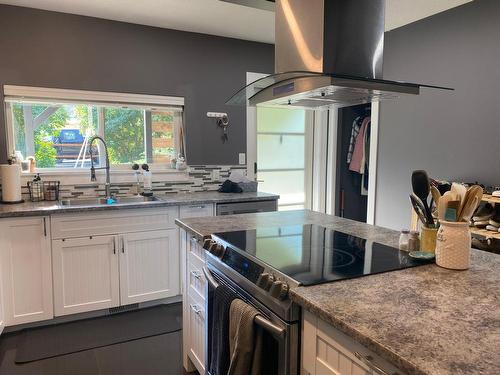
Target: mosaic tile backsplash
<point>196,178</point>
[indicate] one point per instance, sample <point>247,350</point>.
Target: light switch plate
<point>242,158</point>
<point>215,174</point>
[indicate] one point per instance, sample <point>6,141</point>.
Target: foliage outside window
<point>57,134</point>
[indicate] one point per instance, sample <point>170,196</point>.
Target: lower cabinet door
<point>85,272</point>
<point>196,341</point>
<point>25,270</point>
<point>149,266</point>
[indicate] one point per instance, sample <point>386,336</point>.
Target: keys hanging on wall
<point>224,135</point>
<point>222,121</point>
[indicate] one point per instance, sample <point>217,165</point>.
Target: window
<point>284,155</point>
<point>55,126</point>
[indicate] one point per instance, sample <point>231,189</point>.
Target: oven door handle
<point>269,326</point>
<point>210,278</point>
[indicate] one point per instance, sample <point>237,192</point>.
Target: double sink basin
<point>104,202</point>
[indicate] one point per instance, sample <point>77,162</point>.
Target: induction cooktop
<point>309,254</point>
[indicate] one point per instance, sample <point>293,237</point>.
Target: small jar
<point>414,241</point>
<point>403,239</point>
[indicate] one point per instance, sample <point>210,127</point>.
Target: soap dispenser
<point>147,181</point>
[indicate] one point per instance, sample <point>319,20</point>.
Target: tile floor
<point>155,355</point>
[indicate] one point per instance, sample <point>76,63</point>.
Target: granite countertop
<point>48,208</point>
<point>424,320</point>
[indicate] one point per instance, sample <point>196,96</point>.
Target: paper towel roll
<point>11,182</point>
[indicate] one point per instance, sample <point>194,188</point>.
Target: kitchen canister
<point>453,244</point>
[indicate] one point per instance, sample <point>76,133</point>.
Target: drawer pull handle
<point>368,361</point>
<point>198,207</point>
<point>196,274</point>
<point>196,309</point>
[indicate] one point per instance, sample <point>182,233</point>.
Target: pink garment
<point>358,155</point>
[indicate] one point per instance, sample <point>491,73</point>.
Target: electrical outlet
<point>215,174</point>
<point>242,158</point>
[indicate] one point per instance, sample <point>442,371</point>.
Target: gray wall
<point>452,135</point>
<point>49,49</point>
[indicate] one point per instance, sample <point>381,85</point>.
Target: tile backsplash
<point>195,178</point>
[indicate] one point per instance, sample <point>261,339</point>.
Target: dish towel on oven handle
<point>219,338</point>
<point>245,340</point>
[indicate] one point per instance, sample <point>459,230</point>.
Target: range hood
<point>327,53</point>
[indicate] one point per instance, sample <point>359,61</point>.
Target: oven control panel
<point>242,265</point>
<point>247,268</point>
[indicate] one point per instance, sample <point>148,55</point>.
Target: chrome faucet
<point>93,169</point>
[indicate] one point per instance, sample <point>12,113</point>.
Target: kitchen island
<point>423,320</point>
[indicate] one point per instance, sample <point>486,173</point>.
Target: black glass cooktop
<point>312,254</point>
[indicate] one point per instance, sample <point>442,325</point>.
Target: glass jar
<point>414,241</point>
<point>403,239</point>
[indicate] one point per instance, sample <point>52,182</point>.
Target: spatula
<point>418,206</point>
<point>443,204</point>
<point>421,186</point>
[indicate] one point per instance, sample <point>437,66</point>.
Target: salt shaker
<point>403,239</point>
<point>414,241</point>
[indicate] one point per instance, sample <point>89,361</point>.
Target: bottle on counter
<point>414,241</point>
<point>403,239</point>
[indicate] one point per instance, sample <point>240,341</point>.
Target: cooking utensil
<point>471,202</point>
<point>421,186</point>
<point>436,195</point>
<point>460,190</point>
<point>443,204</point>
<point>451,213</point>
<point>419,208</point>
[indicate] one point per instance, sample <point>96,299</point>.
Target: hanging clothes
<point>358,154</point>
<point>356,125</point>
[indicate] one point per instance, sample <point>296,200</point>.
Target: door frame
<point>332,160</point>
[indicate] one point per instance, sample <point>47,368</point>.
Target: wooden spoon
<point>472,200</point>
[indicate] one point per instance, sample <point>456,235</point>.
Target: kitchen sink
<point>103,202</point>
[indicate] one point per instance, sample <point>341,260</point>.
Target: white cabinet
<point>26,271</point>
<point>86,274</point>
<point>196,318</point>
<point>149,266</point>
<point>193,298</point>
<point>327,351</point>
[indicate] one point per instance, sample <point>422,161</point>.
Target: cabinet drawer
<point>196,281</point>
<point>197,210</point>
<point>123,221</point>
<point>197,337</point>
<point>196,253</point>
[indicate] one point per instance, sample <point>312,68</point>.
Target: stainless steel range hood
<point>327,53</point>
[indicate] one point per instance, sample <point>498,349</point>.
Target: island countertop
<point>424,320</point>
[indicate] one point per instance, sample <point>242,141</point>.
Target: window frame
<point>101,99</point>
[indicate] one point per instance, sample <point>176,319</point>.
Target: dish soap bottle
<point>147,178</point>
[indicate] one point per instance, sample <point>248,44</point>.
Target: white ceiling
<point>217,17</point>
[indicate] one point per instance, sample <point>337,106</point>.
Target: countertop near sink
<point>425,320</point>
<point>48,208</point>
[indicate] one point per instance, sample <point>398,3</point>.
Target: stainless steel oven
<point>281,338</point>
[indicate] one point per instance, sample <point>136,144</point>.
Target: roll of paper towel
<point>11,182</point>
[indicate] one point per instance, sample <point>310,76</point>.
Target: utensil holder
<point>428,239</point>
<point>453,243</point>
